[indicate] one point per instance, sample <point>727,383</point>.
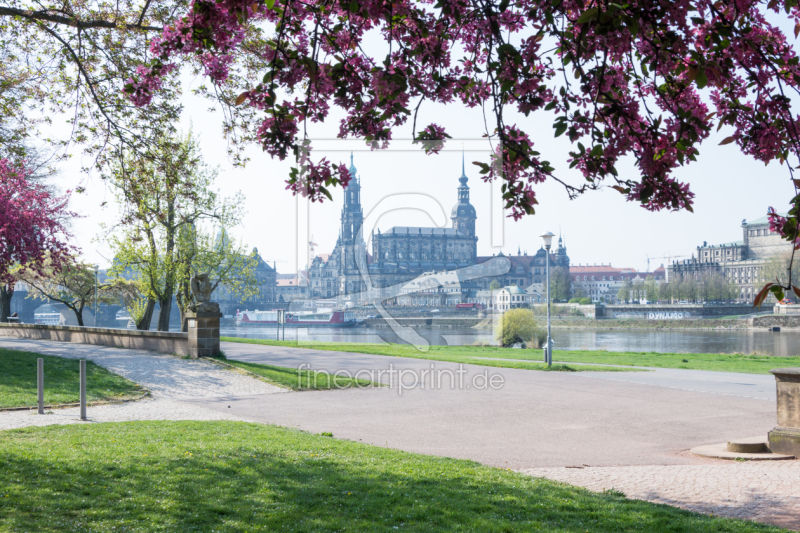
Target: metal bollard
<point>40,383</point>
<point>83,389</point>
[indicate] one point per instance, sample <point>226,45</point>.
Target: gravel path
<point>764,491</point>
<point>169,379</point>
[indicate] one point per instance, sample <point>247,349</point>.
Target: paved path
<point>764,491</point>
<point>169,379</point>
<point>757,386</point>
<point>591,429</point>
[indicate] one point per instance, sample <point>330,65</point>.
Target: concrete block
<point>785,441</point>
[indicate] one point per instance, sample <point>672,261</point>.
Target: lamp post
<point>96,268</point>
<point>548,240</point>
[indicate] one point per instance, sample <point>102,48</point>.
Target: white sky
<point>600,227</point>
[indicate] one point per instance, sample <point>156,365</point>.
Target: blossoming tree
<point>643,79</point>
<point>32,229</point>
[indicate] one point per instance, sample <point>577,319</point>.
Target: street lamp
<point>96,268</point>
<point>548,241</point>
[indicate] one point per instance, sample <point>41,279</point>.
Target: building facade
<point>740,262</point>
<point>602,283</point>
<point>402,254</point>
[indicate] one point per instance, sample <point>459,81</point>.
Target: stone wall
<point>676,312</point>
<point>156,341</point>
<point>768,321</point>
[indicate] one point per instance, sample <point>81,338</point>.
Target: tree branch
<point>81,24</point>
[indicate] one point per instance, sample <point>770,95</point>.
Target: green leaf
<point>560,129</point>
<point>587,15</point>
<point>702,79</point>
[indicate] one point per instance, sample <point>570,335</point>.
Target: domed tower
<point>463,213</point>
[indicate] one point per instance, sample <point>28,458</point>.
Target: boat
<point>302,319</point>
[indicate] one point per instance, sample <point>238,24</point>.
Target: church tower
<point>463,213</point>
<point>352,214</point>
<point>351,248</point>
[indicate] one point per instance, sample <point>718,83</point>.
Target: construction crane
<point>669,257</point>
<point>312,244</point>
<point>274,261</point>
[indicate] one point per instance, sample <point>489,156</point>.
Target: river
<point>760,342</point>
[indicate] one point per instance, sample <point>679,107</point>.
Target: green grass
<point>300,380</point>
<point>61,381</point>
<point>491,355</point>
<point>452,354</point>
<point>239,477</point>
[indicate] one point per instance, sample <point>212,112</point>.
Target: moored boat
<point>334,319</point>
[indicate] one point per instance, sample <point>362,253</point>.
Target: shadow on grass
<point>229,476</point>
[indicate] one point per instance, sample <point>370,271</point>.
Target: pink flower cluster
<point>31,223</point>
<point>625,79</point>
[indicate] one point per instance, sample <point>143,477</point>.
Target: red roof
<point>605,269</point>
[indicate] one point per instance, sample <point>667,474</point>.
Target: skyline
<point>598,228</point>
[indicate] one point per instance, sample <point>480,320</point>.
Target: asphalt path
<point>509,417</point>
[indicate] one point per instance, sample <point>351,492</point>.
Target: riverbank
<point>497,356</point>
<point>635,323</point>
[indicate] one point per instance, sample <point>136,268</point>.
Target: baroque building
<point>740,262</point>
<point>403,253</point>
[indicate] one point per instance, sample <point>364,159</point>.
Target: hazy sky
<point>600,227</point>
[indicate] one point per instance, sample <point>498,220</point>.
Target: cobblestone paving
<point>766,491</point>
<point>168,378</point>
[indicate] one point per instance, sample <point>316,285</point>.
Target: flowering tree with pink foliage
<point>32,230</point>
<point>645,80</point>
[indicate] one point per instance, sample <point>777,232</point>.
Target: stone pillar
<point>785,438</point>
<point>203,333</point>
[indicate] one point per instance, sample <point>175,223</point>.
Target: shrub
<point>585,301</point>
<point>516,325</point>
<point>538,339</point>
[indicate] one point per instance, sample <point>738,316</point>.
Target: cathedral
<point>403,253</point>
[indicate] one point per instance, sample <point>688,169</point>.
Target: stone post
<point>785,438</point>
<point>203,333</point>
<point>203,319</point>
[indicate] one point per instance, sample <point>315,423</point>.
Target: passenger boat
<point>303,319</point>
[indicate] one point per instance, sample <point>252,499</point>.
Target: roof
<point>513,289</point>
<point>324,257</point>
<point>288,282</point>
<point>761,221</point>
<point>725,244</point>
<point>410,230</point>
<point>602,269</point>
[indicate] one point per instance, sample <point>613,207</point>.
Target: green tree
<point>559,284</point>
<point>494,285</point>
<point>514,326</point>
<point>160,197</point>
<point>651,289</point>
<point>132,294</point>
<point>625,291</point>
<point>230,268</point>
<point>72,283</point>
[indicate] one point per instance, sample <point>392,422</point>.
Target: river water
<point>760,342</point>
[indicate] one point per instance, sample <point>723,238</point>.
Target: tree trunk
<point>166,308</point>
<point>78,315</point>
<point>184,322</point>
<point>144,323</point>
<point>6,293</point>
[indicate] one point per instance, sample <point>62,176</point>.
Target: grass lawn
<point>61,381</point>
<point>300,380</point>
<point>452,354</point>
<point>239,477</point>
<point>749,364</point>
